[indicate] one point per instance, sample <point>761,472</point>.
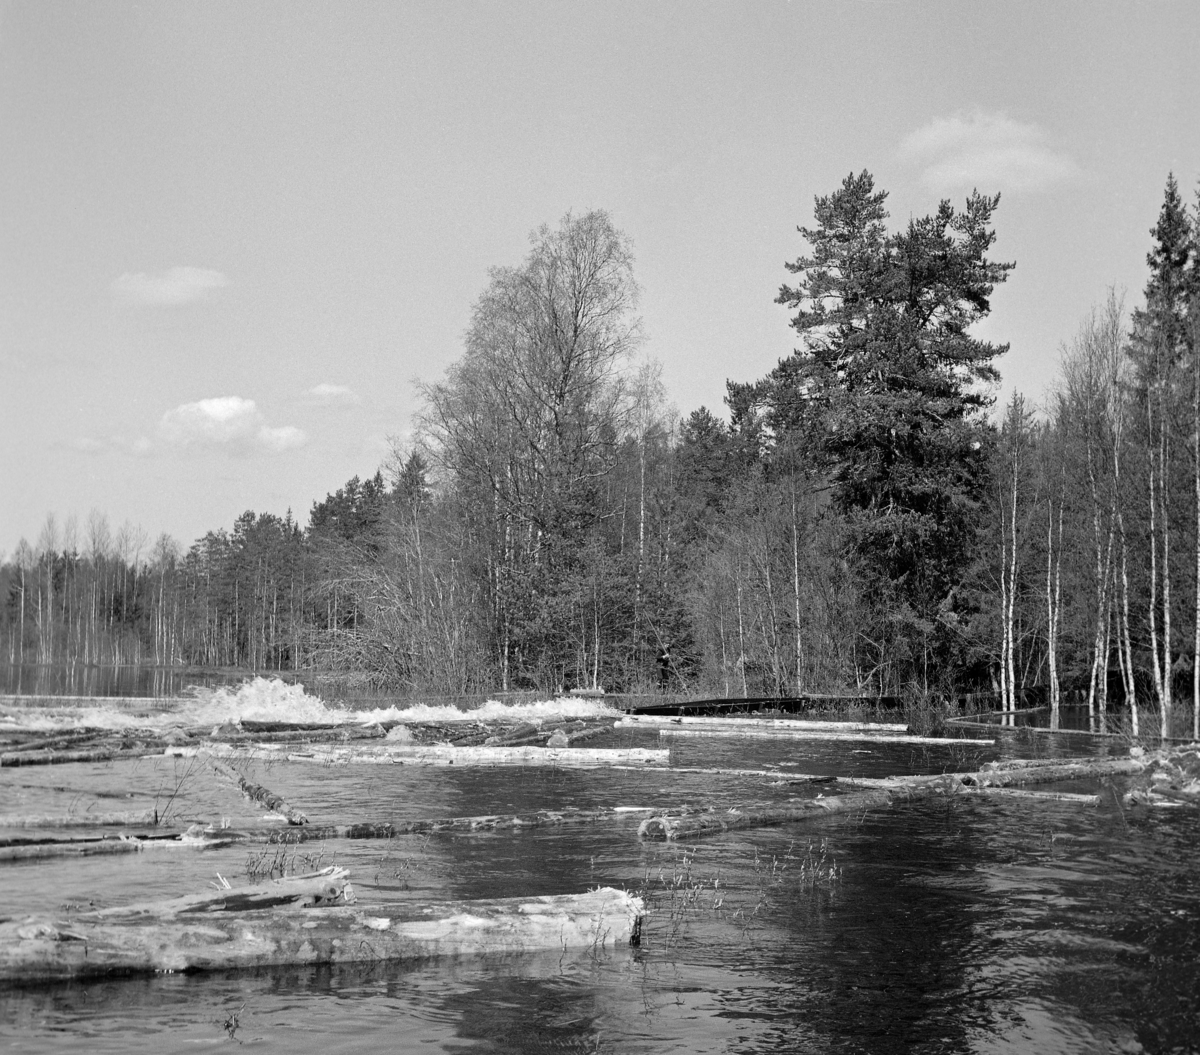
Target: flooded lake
<point>968,924</point>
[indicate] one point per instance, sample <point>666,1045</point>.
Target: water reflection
<point>79,679</point>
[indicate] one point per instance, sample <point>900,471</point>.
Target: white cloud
<point>228,422</point>
<point>989,151</point>
<point>177,285</point>
<point>284,438</point>
<point>328,395</point>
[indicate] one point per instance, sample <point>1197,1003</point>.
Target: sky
<point>235,234</point>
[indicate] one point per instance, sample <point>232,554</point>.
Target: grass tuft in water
<point>275,862</point>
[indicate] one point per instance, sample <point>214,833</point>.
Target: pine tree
<point>888,392</point>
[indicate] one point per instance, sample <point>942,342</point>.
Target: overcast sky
<point>233,233</point>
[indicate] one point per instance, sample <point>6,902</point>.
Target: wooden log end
<point>657,828</point>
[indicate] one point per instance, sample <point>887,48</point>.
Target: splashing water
<point>272,700</point>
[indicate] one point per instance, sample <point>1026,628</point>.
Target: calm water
<point>972,924</point>
<point>79,679</point>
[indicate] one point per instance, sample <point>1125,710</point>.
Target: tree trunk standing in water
<point>1162,684</point>
<point>1014,443</point>
<point>796,590</point>
<point>1054,599</point>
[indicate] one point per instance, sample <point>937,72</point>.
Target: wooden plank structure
<point>755,704</point>
<point>654,721</point>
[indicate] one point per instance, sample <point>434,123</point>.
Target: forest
<point>864,520</point>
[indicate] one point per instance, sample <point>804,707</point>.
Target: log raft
<point>39,949</point>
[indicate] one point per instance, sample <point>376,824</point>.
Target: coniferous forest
<point>863,520</point>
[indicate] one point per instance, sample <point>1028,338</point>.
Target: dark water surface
<point>966,925</point>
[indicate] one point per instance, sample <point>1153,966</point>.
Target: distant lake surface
<point>969,924</point>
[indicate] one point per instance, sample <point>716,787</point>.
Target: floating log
<point>674,826</point>
<point>196,837</point>
<point>52,758</point>
<point>257,793</point>
<point>590,732</point>
<point>33,851</point>
<point>436,755</point>
<point>1025,793</point>
<point>1049,772</point>
<point>129,819</point>
<point>38,949</point>
<point>433,826</point>
<point>326,887</point>
<point>816,734</point>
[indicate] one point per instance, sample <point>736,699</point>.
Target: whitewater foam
<point>272,700</point>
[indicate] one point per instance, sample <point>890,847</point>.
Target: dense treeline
<point>861,521</point>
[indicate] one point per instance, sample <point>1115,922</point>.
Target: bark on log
<point>432,755</point>
<point>257,793</point>
<point>912,789</point>
<point>37,949</point>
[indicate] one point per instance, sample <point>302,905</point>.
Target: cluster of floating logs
<point>315,919</point>
<point>444,742</point>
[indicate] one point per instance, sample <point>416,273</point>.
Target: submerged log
<point>257,793</point>
<point>674,826</point>
<point>37,949</point>
<point>437,755</point>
